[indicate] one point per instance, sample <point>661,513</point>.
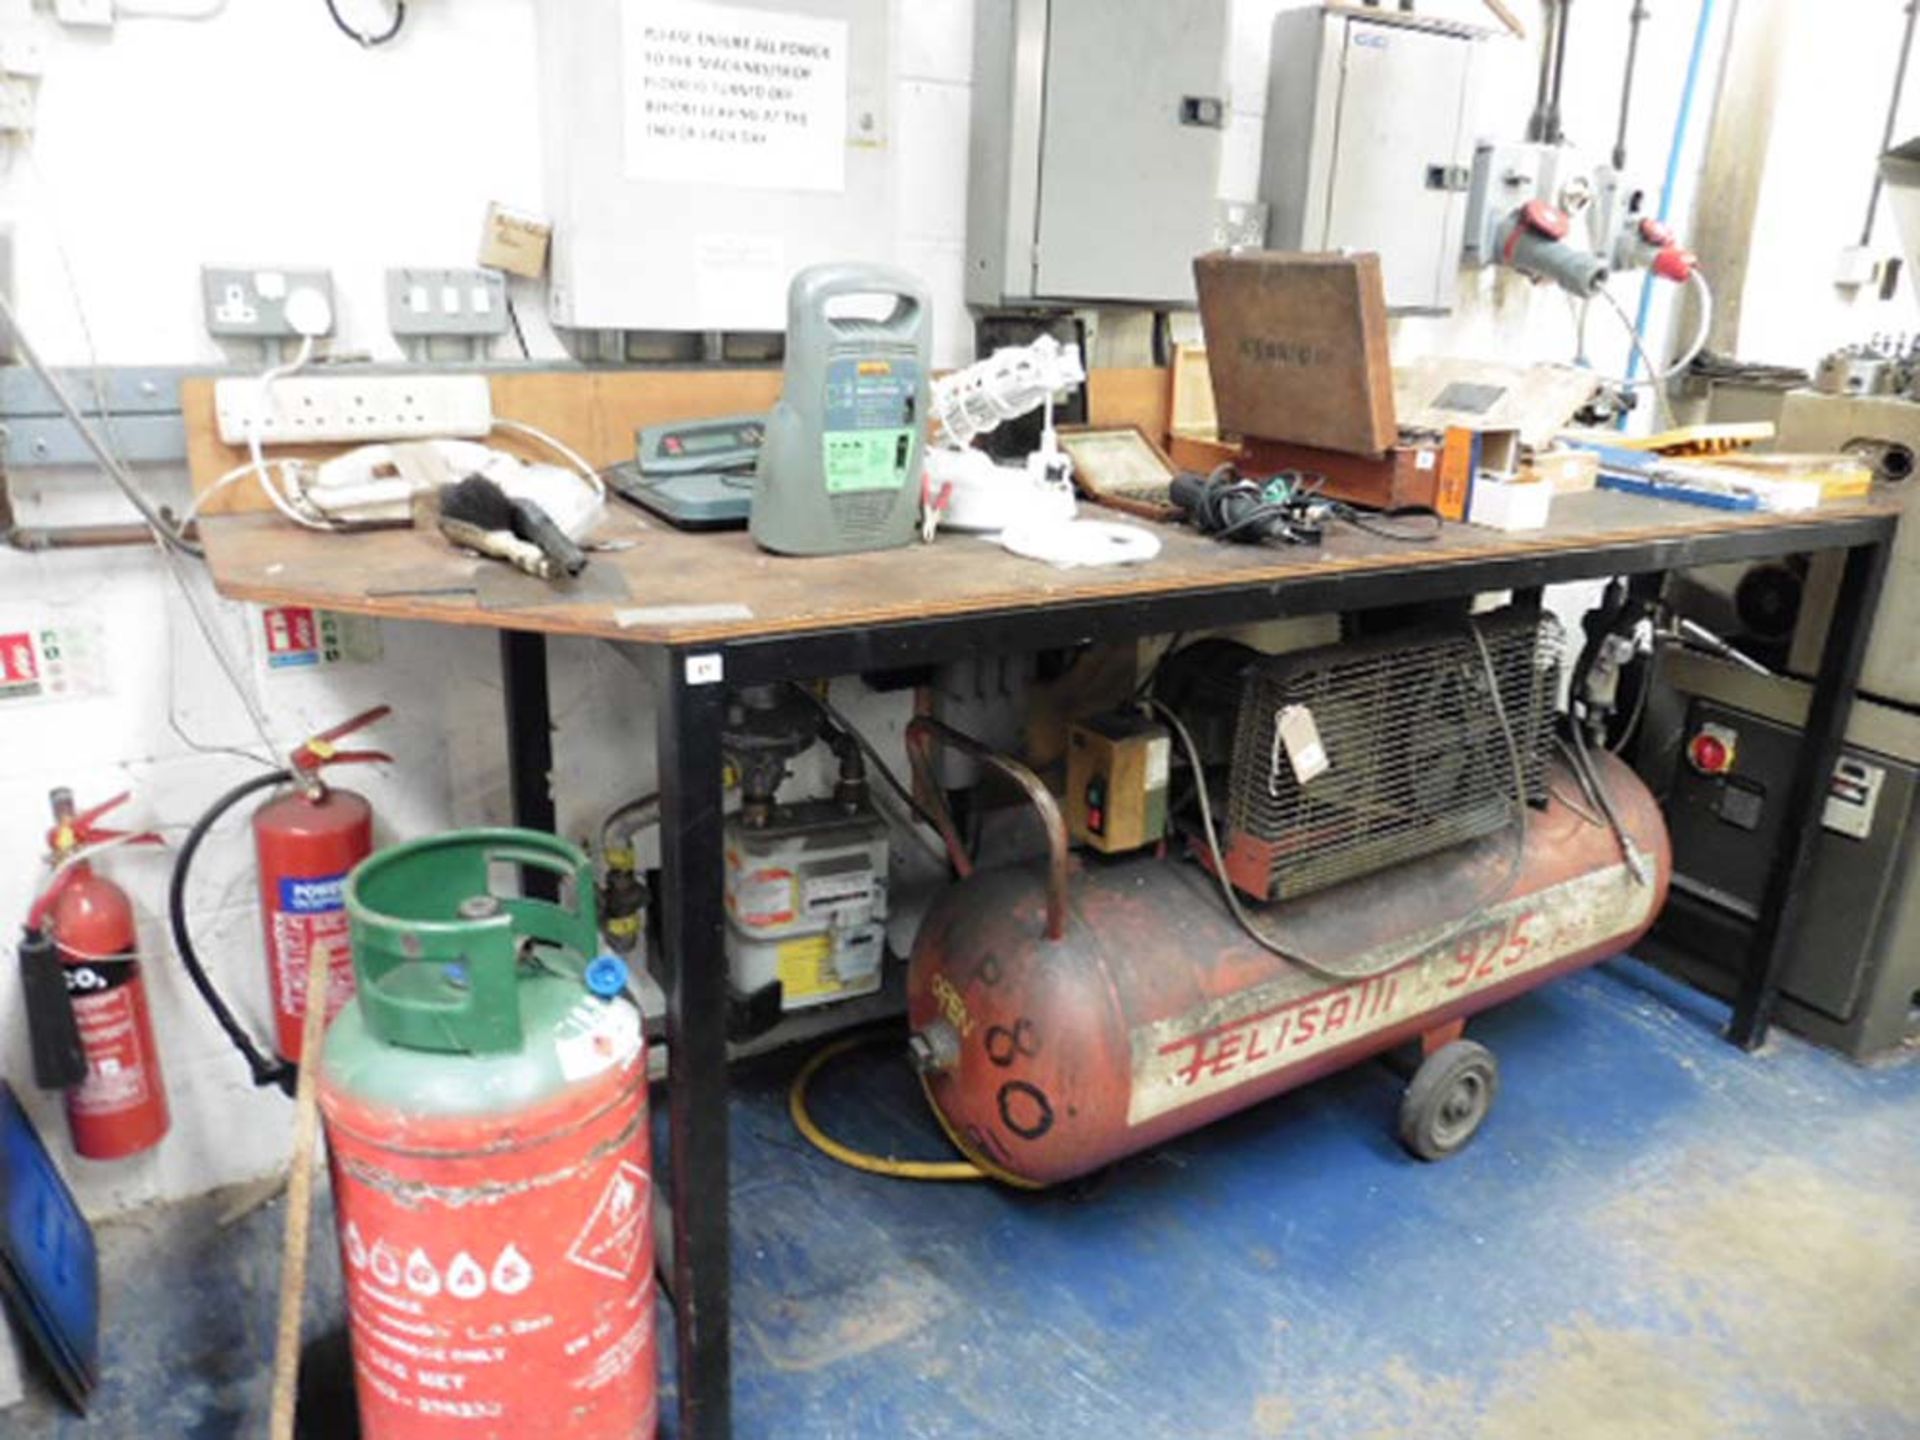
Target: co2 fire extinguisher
<point>92,1031</point>
<point>306,839</point>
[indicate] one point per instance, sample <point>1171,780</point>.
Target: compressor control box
<point>1117,782</point>
<point>806,902</point>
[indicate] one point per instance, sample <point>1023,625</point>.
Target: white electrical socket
<point>332,408</point>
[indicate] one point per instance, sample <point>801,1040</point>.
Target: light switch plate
<point>427,302</point>
<point>250,302</point>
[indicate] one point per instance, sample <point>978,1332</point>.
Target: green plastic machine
<point>840,468</point>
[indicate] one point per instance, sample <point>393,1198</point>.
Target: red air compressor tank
<point>485,1098</point>
<point>306,840</point>
<point>1153,1013</point>
<point>120,1108</point>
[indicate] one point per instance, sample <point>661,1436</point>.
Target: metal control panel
<point>1095,156</point>
<point>1369,142</point>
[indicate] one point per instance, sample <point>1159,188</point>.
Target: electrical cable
<point>163,530</point>
<point>364,39</point>
<point>1639,349</point>
<point>1635,864</point>
<point>560,448</point>
<point>172,541</point>
<point>1648,674</point>
<point>887,1165</point>
<point>1246,921</point>
<point>257,420</point>
<point>832,712</point>
<point>265,1072</point>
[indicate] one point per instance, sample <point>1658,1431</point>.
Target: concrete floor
<point>1655,1238</point>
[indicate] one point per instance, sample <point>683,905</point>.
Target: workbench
<point>711,611</point>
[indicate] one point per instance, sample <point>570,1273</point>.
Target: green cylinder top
<point>443,939</point>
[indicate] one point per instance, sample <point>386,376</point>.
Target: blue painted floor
<point>1655,1238</point>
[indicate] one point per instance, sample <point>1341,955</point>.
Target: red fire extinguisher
<point>119,1105</point>
<point>306,839</point>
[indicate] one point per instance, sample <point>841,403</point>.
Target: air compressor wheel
<point>1449,1096</point>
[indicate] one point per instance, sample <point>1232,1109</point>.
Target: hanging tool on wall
<point>306,840</point>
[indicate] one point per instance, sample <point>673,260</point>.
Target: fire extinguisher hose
<point>803,1121</point>
<point>265,1070</point>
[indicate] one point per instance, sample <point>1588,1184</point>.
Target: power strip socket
<point>320,409</point>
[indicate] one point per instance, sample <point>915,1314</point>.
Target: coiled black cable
<point>362,37</point>
<point>266,1071</point>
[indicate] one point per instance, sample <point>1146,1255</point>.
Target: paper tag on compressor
<point>1296,732</point>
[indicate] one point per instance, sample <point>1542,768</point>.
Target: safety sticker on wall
<point>297,638</point>
<point>47,660</point>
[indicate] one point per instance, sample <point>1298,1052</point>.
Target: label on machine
<point>1226,1044</point>
<point>870,424</point>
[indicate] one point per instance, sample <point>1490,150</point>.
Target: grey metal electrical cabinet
<point>1095,156</point>
<point>1369,142</point>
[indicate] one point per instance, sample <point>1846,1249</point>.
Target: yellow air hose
<point>858,1159</point>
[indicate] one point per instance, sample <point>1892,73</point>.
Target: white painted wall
<point>263,136</point>
<point>1829,116</point>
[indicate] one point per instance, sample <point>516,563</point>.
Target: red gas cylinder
<point>1153,1013</point>
<point>306,840</point>
<point>120,1108</point>
<point>485,1098</point>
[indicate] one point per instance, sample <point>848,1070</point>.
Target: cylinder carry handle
<point>437,952</point>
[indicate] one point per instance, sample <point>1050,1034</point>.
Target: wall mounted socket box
<point>304,409</point>
<point>1095,150</point>
<point>251,303</point>
<point>467,302</point>
<point>664,222</point>
<point>1369,142</point>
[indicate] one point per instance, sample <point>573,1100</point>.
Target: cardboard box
<point>1507,504</point>
<point>515,241</point>
<point>1297,347</point>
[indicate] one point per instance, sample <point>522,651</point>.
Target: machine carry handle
<point>920,733</point>
<point>436,950</point>
<point>814,286</point>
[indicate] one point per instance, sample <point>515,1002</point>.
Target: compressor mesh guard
<point>1417,761</point>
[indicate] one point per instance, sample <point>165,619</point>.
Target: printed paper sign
<point>722,95</point>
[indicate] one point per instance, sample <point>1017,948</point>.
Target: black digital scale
<point>694,474</point>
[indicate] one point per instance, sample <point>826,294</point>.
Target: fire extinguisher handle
<point>924,729</point>
<point>311,756</point>
<point>437,952</point>
<point>318,749</point>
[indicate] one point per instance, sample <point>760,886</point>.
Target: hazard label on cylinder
<point>497,1291</point>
